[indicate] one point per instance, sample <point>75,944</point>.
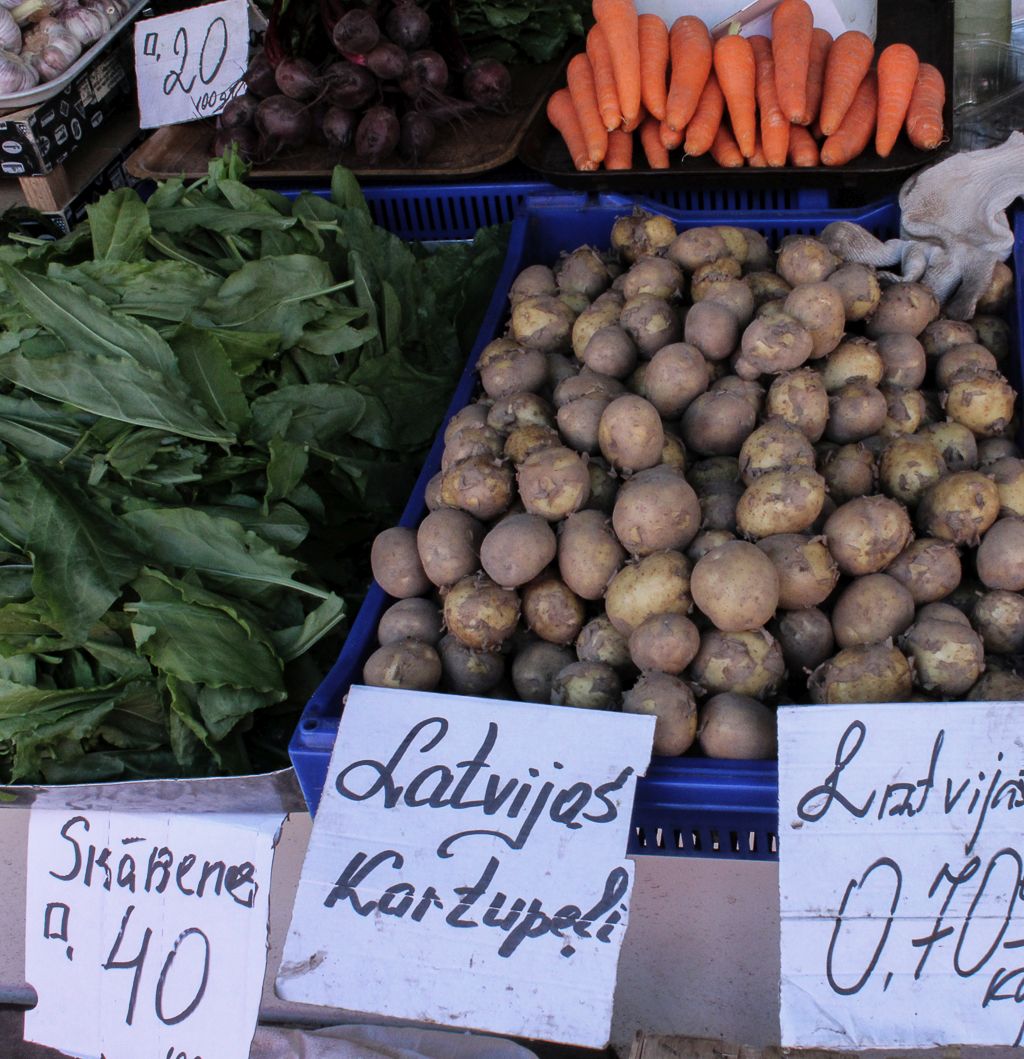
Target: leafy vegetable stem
<point>178,255</point>
<point>293,300</point>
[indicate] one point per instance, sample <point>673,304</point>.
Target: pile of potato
<point>703,479</point>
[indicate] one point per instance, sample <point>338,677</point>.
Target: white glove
<point>953,226</point>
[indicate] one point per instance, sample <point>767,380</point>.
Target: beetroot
<point>356,33</point>
<point>282,122</point>
<point>416,137</point>
<point>244,138</point>
<point>339,126</point>
<point>259,78</point>
<point>350,86</point>
<point>427,72</point>
<point>297,79</point>
<point>387,61</point>
<point>408,25</point>
<point>240,112</point>
<point>487,83</point>
<point>377,135</point>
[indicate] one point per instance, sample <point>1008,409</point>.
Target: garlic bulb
<point>86,24</point>
<point>10,35</point>
<point>16,75</point>
<point>56,58</point>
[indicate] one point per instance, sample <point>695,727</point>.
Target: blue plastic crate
<point>685,806</point>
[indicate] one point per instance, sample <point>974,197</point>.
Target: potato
<point>957,446</point>
<point>736,586</point>
<point>576,301</point>
<point>849,471</point>
<point>706,275</point>
<point>749,389</point>
<point>903,360</point>
<point>656,510</point>
<point>948,657</point>
<point>583,272</point>
<point>414,618</point>
<point>593,319</point>
<point>673,453</point>
<point>858,287</point>
<point>587,686</point>
<point>517,549</point>
<point>1008,474</point>
<point>519,410</point>
<point>804,259</point>
<point>474,415</point>
<point>806,570</point>
<point>903,309</point>
<point>959,508</point>
<point>651,323</point>
<point>706,540</point>
<point>513,371</point>
<point>706,475</point>
<point>664,642</point>
<point>855,359</point>
<point>713,329</point>
<point>553,483</point>
<point>676,375</point>
<point>671,703</point>
<point>718,509</point>
<point>559,369</point>
<point>610,351</point>
<point>781,502</point>
<point>587,383</point>
<point>994,334</point>
<point>866,534</point>
<point>472,441</point>
<point>717,423</point>
<point>448,545</point>
<point>523,442</point>
<point>432,493</point>
<point>604,486</point>
<point>396,564</point>
<point>970,355</point>
<point>600,641</point>
<point>578,422</point>
<point>855,412</point>
<point>964,596</point>
<point>654,275</point>
<point>819,307</point>
<point>552,610</point>
<point>747,663</point>
<point>874,673</point>
<point>657,584</point>
<point>999,620</point>
<point>769,347</point>
<point>696,247</point>
<point>589,554</point>
<point>641,234</point>
<point>997,686</point>
<point>942,612</point>
<point>480,485</point>
<point>468,672</point>
<point>982,401</point>
<point>631,434</point>
<point>942,335</point>
<point>407,664</point>
<point>997,295</point>
<point>767,286</point>
<point>928,568</point>
<point>543,322</point>
<point>800,399</point>
<point>805,637</point>
<point>734,294</point>
<point>737,727</point>
<point>871,609</point>
<point>992,450</point>
<point>480,613</point>
<point>777,445</point>
<point>1000,557</point>
<point>905,411</point>
<point>535,667</point>
<point>758,253</point>
<point>909,465</point>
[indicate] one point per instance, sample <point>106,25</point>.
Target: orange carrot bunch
<point>643,89</point>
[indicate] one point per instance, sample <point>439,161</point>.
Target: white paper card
<point>901,838</point>
<point>467,867</point>
<point>190,64</point>
<point>146,933</point>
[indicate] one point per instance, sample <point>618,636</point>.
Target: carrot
<point>650,138</point>
<point>620,23</point>
<point>724,149</point>
<point>584,98</point>
<point>854,134</point>
<point>632,126</point>
<point>670,140</point>
<point>758,160</point>
<point>821,42</point>
<point>924,116</point>
<point>691,47</point>
<point>562,114</point>
<point>734,66</point>
<point>774,127</point>
<point>620,150</point>
<point>700,132</point>
<point>653,38</point>
<point>849,60</point>
<point>792,30</point>
<point>803,151</point>
<point>604,78</point>
<point>897,73</point>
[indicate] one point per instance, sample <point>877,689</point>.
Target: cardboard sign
<point>901,838</point>
<point>145,933</point>
<point>190,64</point>
<point>466,865</point>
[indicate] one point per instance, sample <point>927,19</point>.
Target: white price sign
<point>189,65</point>
<point>902,875</point>
<point>146,934</point>
<point>467,867</point>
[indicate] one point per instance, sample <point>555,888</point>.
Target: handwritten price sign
<point>189,65</point>
<point>467,865</point>
<point>146,934</point>
<point>902,875</point>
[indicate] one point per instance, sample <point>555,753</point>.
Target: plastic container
<point>989,93</point>
<point>685,806</point>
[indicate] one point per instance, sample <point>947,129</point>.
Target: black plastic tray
<point>926,25</point>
